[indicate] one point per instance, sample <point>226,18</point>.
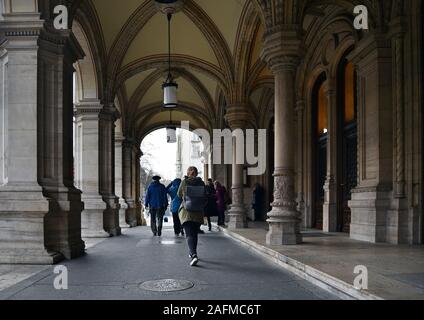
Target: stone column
<point>281,52</point>
<point>127,167</point>
<point>136,177</point>
<point>330,186</point>
<point>119,139</point>
<point>108,116</point>
<point>22,205</point>
<point>371,199</point>
<point>58,51</point>
<point>237,118</point>
<point>400,227</point>
<point>87,167</point>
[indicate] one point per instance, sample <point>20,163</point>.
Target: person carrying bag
<point>192,191</point>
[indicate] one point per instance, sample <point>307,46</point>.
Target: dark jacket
<point>172,190</point>
<point>185,215</point>
<point>211,209</point>
<point>156,197</point>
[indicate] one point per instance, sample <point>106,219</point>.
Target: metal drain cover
<point>167,285</point>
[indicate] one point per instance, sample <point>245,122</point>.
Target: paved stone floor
<point>115,269</point>
<point>395,272</point>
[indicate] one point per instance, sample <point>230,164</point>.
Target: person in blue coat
<point>157,202</point>
<point>172,190</point>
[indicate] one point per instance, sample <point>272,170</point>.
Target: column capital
<point>90,107</point>
<point>238,116</point>
<point>110,112</point>
<point>282,49</point>
<point>62,42</point>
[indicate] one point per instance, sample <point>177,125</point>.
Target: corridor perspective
<point>309,113</point>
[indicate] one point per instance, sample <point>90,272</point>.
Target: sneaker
<point>194,261</point>
<point>155,234</point>
<point>159,233</point>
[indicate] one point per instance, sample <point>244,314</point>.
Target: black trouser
<point>192,230</point>
<point>209,223</point>
<point>177,223</point>
<point>221,218</point>
<point>156,219</point>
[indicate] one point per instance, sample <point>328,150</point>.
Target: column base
<point>237,218</point>
<point>369,213</point>
<point>122,216</point>
<point>111,222</point>
<point>22,238</point>
<point>63,224</point>
<point>29,256</point>
<point>284,227</point>
<point>398,222</point>
<point>92,219</point>
<point>329,217</point>
<point>130,214</point>
<point>283,233</point>
<point>139,216</point>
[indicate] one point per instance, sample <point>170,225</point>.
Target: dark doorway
<point>348,144</point>
<point>319,150</point>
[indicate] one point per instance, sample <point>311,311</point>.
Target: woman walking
<point>220,202</point>
<point>211,208</point>
<point>192,192</point>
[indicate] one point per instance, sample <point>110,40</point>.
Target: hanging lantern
<point>170,99</point>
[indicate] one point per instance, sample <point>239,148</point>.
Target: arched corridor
<point>288,97</point>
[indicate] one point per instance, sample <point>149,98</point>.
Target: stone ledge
<point>321,279</point>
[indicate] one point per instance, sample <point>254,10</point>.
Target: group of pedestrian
<point>191,202</point>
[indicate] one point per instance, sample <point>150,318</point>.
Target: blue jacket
<point>156,197</point>
<point>172,190</point>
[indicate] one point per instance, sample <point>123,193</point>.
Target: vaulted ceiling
<point>215,44</point>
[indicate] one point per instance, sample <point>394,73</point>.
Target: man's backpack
<point>195,198</point>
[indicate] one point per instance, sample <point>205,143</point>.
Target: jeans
<point>192,231</point>
<point>156,219</point>
<point>177,223</point>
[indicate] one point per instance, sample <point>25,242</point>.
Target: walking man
<point>157,201</point>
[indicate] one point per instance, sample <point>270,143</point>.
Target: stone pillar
<point>330,186</point>
<point>281,52</point>
<point>58,51</point>
<point>237,118</point>
<point>108,116</point>
<point>127,167</point>
<point>118,181</point>
<point>371,199</point>
<point>401,223</point>
<point>87,167</point>
<point>22,205</point>
<point>137,167</point>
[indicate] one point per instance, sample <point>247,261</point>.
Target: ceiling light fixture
<point>169,87</point>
